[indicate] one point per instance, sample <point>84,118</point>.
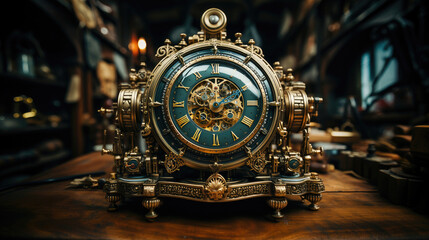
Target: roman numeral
<point>182,86</point>
<point>197,135</point>
<point>178,104</point>
<point>197,75</point>
<point>252,103</point>
<point>244,87</point>
<point>215,140</point>
<point>182,121</point>
<point>234,137</point>
<point>247,121</point>
<point>215,68</point>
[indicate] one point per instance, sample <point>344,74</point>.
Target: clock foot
<point>278,205</point>
<point>112,199</point>
<point>313,199</point>
<point>151,204</point>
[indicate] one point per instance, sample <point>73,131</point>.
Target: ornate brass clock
<point>212,123</point>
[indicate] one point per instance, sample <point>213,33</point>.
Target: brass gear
<point>203,117</point>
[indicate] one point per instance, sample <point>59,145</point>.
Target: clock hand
<point>231,97</point>
<point>228,99</point>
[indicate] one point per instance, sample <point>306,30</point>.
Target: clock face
<point>215,106</point>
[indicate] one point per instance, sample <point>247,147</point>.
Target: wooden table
<point>350,209</point>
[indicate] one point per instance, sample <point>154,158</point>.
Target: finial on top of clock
<point>213,23</point>
<point>289,74</point>
<point>238,40</point>
<point>278,69</point>
<point>133,77</point>
<point>182,42</point>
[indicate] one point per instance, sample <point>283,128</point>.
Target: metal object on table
<point>216,119</point>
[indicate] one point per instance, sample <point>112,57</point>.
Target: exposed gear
<point>215,104</point>
<point>203,117</point>
<point>224,90</point>
<point>230,116</point>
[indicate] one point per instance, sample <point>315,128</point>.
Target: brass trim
<point>129,114</point>
<point>211,150</point>
<point>296,106</point>
<point>265,67</point>
<point>233,192</point>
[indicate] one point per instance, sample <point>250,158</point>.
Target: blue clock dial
<point>215,105</point>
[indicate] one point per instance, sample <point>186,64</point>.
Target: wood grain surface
<point>350,209</point>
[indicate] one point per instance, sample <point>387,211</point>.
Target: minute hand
<point>231,97</point>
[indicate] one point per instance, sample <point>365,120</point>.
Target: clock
<point>214,107</point>
<point>212,123</point>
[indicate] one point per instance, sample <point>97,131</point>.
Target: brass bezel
<point>211,150</point>
<point>265,67</point>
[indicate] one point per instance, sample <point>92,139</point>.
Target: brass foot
<point>277,204</point>
<point>113,199</point>
<point>313,207</point>
<point>112,207</point>
<point>313,199</point>
<point>151,204</point>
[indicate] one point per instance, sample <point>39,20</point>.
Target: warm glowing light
<point>142,44</point>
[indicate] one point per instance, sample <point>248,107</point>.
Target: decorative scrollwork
<point>257,162</point>
<point>146,129</point>
<point>165,50</point>
<point>216,187</point>
<point>174,189</point>
<point>315,187</point>
<point>258,51</point>
<point>249,190</point>
<point>282,130</point>
<point>173,162</point>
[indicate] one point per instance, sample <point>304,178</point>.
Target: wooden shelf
<point>344,34</point>
<point>351,26</point>
<point>116,46</point>
<point>297,27</point>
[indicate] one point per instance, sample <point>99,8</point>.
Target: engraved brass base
<point>217,189</point>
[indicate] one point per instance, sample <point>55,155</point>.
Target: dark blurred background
<point>61,60</point>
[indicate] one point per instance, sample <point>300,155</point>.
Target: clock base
<point>216,189</point>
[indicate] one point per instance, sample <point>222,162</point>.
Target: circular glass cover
<point>215,104</point>
<point>213,107</point>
